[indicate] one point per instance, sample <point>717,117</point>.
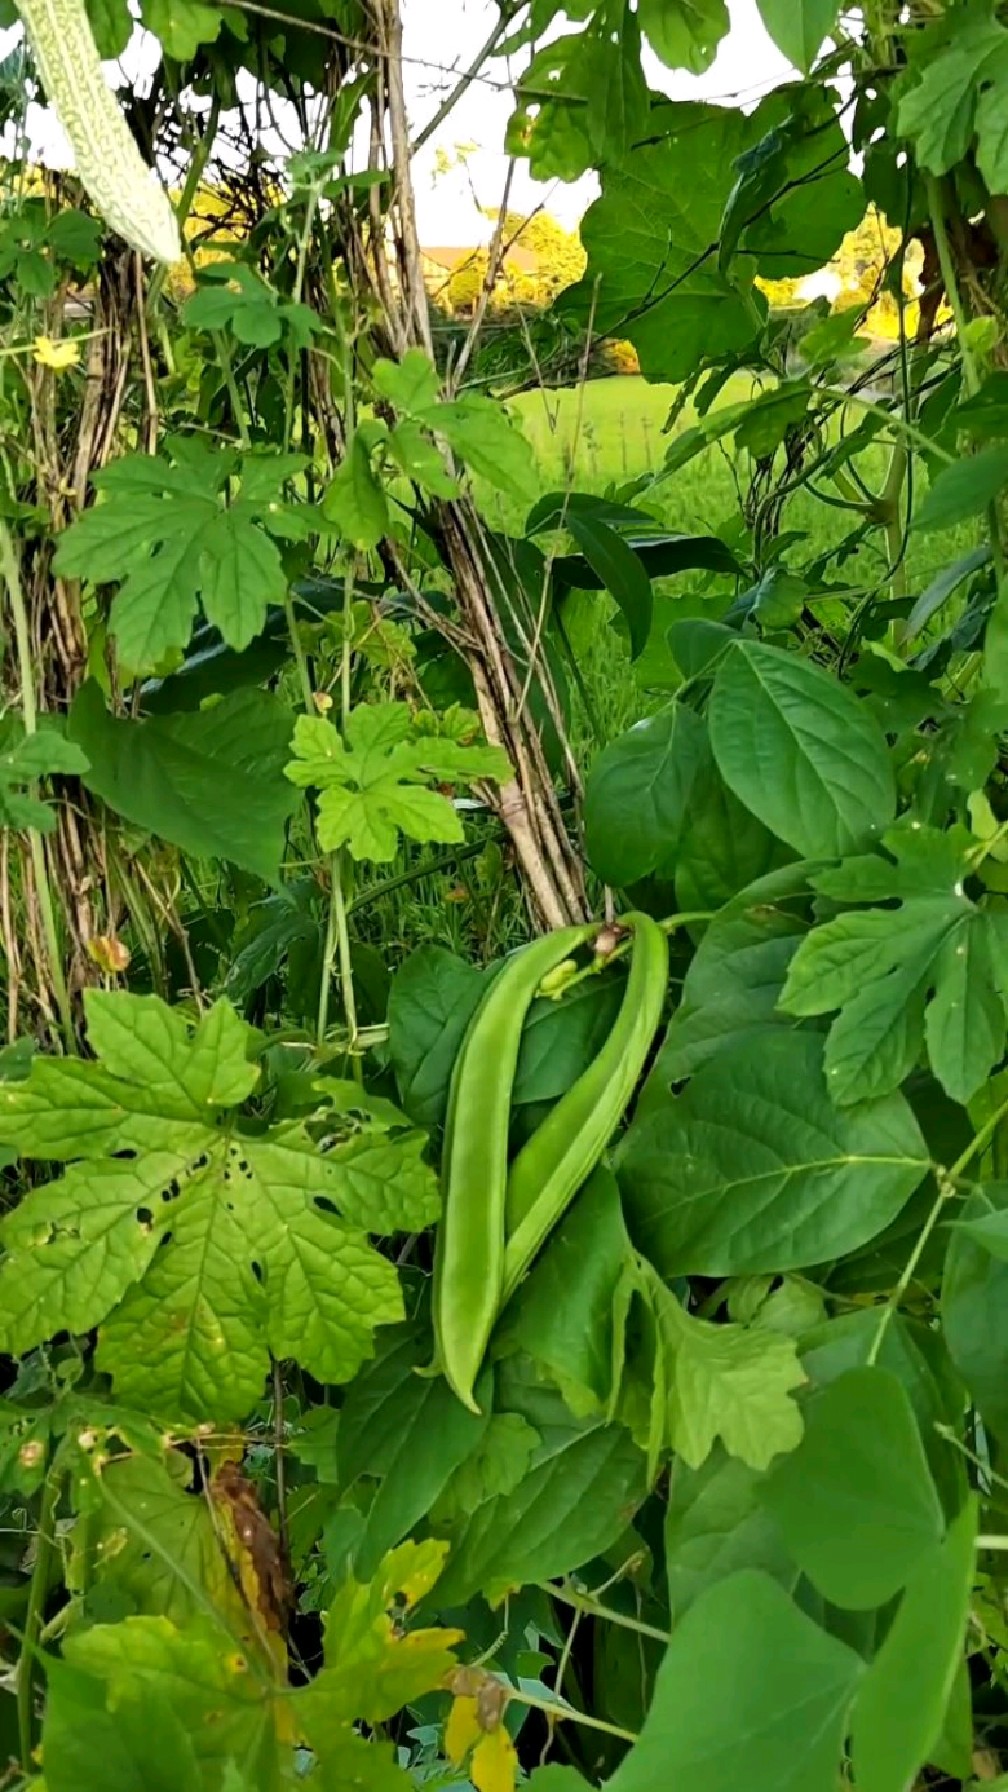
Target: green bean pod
<point>564,1150</point>
<point>469,1262</point>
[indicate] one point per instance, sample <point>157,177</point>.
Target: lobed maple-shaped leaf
<point>929,970</point>
<point>956,105</point>
<point>731,1382</point>
<point>194,1237</point>
<point>374,786</point>
<point>172,534</point>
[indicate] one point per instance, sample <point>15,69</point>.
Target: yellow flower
<point>58,355</point>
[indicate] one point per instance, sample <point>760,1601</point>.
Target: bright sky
<point>442,38</point>
<point>449,33</point>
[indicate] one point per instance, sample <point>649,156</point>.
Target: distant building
<point>455,276</point>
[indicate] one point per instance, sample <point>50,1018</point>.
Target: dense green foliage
<point>504,1122</point>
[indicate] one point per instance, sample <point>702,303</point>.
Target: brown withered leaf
<point>257,1555</point>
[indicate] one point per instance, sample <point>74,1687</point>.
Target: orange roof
<point>516,261</point>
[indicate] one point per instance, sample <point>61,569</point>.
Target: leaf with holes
<point>928,971</point>
<point>374,786</point>
<point>195,1239</point>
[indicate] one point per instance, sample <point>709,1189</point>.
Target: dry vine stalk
<point>61,465</point>
<point>529,805</point>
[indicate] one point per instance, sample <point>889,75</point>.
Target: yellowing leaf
<point>58,355</point>
<point>462,1731</point>
<point>494,1766</point>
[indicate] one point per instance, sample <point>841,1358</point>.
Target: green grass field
<point>613,433</point>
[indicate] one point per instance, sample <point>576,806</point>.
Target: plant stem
<point>591,1608</point>
<point>304,676</point>
<point>947,1189</point>
<point>29,712</point>
<point>238,409</point>
<point>37,1592</point>
<point>561,1712</point>
<point>971,377</point>
<point>987,1541</point>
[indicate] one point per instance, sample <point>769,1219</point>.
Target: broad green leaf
<point>373,786</point>
<point>800,751</point>
<point>685,33</point>
<point>182,25</point>
<point>653,273</point>
<point>900,1706</point>
<point>753,1170</point>
<point>412,384</point>
<point>355,501</point>
<point>930,969</point>
<point>965,488</point>
<point>647,238</point>
<point>974,1310</point>
<point>433,997</point>
<point>112,27</point>
<point>583,101</point>
<point>432,1001</point>
<point>482,434</point>
<point>479,430</point>
<point>137,1747</point>
<point>227,1710</point>
<point>791,1685</point>
<point>576,1500</point>
<point>166,532</point>
<point>25,758</point>
<point>638,794</point>
<point>172,1208</point>
<point>957,101</point>
<point>722,848</point>
<point>733,985</point>
<point>769,418</point>
<point>727,1382</point>
<point>621,571</point>
<point>406,1431</point>
<point>798,27</point>
<point>991,1232</point>
<point>209,781</point>
<point>564,1315</point>
<point>157,1549</point>
<point>715,1524</point>
<point>496,1467</point>
<point>985,413</point>
<point>855,1502</point>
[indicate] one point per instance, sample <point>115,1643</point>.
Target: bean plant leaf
<point>900,1707</point>
<point>546,1526</point>
<point>173,535</point>
<point>182,25</point>
<point>791,1686</point>
<point>196,1241</point>
<point>210,781</point>
<point>637,796</point>
<point>374,786</point>
<point>752,1169</point>
<point>715,1525</point>
<point>800,752</point>
<point>930,970</point>
<point>685,33</point>
<point>621,571</point>
<point>24,758</point>
<point>856,1502</point>
<point>974,1309</point>
<point>966,488</point>
<point>734,982</point>
<point>798,27</point>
